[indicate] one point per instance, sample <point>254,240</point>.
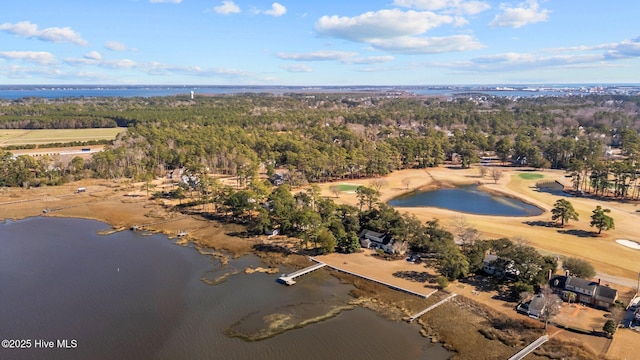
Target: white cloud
<point>38,57</point>
<point>344,57</point>
<point>165,1</point>
<point>276,10</point>
<point>297,68</point>
<point>369,60</point>
<point>53,34</point>
<point>428,45</point>
<point>380,24</point>
<point>93,55</point>
<point>524,14</point>
<point>324,55</point>
<point>117,46</point>
<point>227,7</point>
<point>451,6</point>
<point>398,31</point>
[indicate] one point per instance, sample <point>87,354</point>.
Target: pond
<point>468,199</point>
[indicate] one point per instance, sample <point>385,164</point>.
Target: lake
<point>134,296</point>
<point>467,199</point>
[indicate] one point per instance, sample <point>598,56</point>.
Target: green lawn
<point>348,187</point>
<point>49,136</point>
<point>530,176</point>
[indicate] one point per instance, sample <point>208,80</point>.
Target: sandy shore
<point>122,205</point>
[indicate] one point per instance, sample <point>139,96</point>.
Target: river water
<point>133,296</point>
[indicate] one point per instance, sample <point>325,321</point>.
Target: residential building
<point>374,240</point>
<point>586,291</point>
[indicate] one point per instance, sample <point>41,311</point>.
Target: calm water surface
<point>130,296</point>
<point>467,199</point>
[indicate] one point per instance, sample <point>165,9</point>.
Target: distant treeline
<point>324,137</point>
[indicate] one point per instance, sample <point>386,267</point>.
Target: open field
<point>50,136</point>
<point>615,263</point>
<point>531,176</point>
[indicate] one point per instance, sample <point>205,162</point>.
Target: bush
<point>442,282</point>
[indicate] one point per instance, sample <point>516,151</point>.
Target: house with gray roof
<point>370,239</point>
<point>586,291</point>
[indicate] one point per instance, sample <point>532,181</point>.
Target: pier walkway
<point>432,307</point>
<point>534,345</point>
<point>288,278</point>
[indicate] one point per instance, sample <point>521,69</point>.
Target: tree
<point>367,196</point>
<point>406,182</point>
<point>563,210</point>
<point>601,220</point>
<point>552,304</point>
<point>378,184</point>
<point>503,149</point>
<point>609,327</point>
<point>496,174</point>
<point>349,243</point>
<point>482,170</point>
<point>326,240</point>
<point>579,267</point>
<point>335,190</point>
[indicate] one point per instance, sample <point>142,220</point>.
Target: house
<point>277,179</point>
<point>586,291</point>
<point>496,266</point>
<point>374,240</point>
<point>536,306</point>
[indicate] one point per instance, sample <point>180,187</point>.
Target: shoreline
<point>118,210</point>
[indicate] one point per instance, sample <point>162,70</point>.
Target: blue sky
<point>393,42</point>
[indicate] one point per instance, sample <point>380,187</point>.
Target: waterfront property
<point>585,291</point>
<point>534,308</point>
<point>374,240</point>
<point>498,267</point>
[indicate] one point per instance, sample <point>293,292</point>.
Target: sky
<point>321,43</point>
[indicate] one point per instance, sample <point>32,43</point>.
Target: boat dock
<point>288,279</point>
<point>534,345</point>
<point>432,307</point>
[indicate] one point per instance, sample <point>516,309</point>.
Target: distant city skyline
<point>328,43</point>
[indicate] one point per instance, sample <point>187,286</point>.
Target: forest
<point>324,137</point>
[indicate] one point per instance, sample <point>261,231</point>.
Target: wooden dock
<point>288,278</point>
<point>432,307</point>
<point>534,345</point>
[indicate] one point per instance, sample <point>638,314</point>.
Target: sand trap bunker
<point>629,243</point>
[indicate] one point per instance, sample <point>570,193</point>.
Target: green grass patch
<point>530,176</point>
<point>51,136</point>
<point>348,187</point>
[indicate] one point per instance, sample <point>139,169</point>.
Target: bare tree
<point>406,182</point>
<point>465,233</point>
<point>496,174</point>
<point>483,171</point>
<point>400,247</point>
<point>335,190</point>
<point>552,304</point>
<point>378,184</point>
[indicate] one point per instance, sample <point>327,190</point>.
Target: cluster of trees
<point>334,136</point>
<point>563,210</point>
<point>26,171</point>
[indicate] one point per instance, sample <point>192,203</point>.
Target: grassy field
<point>348,187</point>
<point>50,136</point>
<point>530,176</point>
